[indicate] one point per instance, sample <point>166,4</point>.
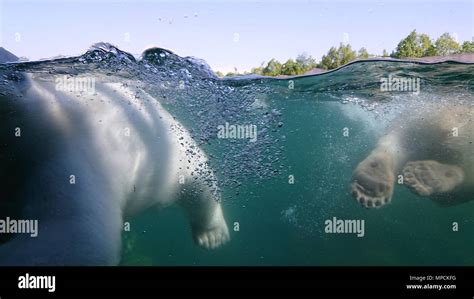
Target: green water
<point>409,231</point>
<point>280,221</point>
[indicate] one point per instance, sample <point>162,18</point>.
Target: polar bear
<point>83,162</point>
<point>431,148</point>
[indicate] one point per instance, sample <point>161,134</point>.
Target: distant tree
<point>291,68</point>
<point>346,53</point>
<point>330,60</point>
<point>306,62</point>
<point>467,47</point>
<point>425,44</point>
<point>362,53</point>
<point>431,51</point>
<point>258,70</point>
<point>446,45</point>
<point>219,74</point>
<point>337,57</point>
<point>407,47</point>
<point>414,45</point>
<point>273,68</point>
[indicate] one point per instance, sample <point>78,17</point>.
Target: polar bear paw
<point>213,237</point>
<point>211,232</point>
<point>373,181</point>
<point>430,177</point>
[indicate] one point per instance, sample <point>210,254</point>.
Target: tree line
<point>413,46</point>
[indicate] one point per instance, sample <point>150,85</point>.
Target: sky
<point>229,34</point>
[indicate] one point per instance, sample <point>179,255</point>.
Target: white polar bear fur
<point>424,145</point>
<point>432,130</point>
<point>117,175</point>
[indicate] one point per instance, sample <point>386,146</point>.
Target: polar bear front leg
<point>208,224</point>
<point>373,179</point>
<point>211,230</point>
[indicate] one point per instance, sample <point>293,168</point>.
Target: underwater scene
<point>278,213</point>
<point>112,158</point>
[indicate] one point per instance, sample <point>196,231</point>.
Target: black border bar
<point>291,282</point>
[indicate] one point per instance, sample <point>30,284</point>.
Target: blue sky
<point>227,34</point>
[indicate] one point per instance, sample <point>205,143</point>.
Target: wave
<point>188,88</point>
<point>109,55</point>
